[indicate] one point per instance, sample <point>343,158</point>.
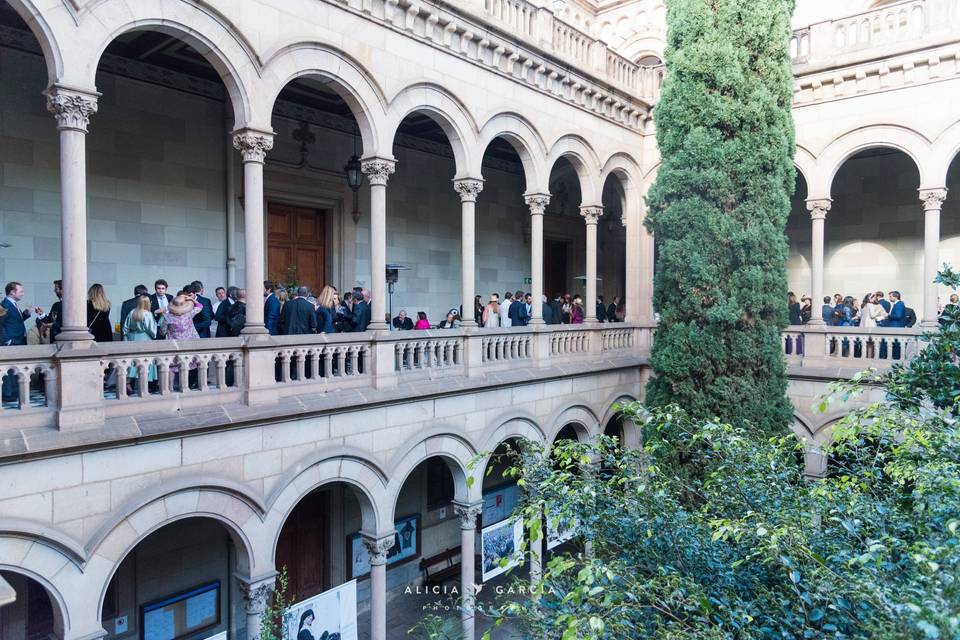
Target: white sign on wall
<point>332,615</point>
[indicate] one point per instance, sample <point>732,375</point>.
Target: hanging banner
<point>559,530</point>
<point>332,615</point>
<point>501,541</point>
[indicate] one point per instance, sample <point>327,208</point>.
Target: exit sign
<point>528,280</point>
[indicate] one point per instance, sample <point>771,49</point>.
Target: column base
<point>816,322</point>
<point>76,336</point>
<point>930,324</point>
<point>468,324</point>
<point>254,329</point>
<point>536,321</point>
<point>378,326</point>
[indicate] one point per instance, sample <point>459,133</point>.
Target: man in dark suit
<point>612,309</point>
<point>518,311</point>
<point>601,310</point>
<point>204,319</point>
<point>271,309</point>
<point>51,323</point>
<point>222,314</point>
<point>547,311</point>
<point>130,304</point>
<point>159,302</point>
<point>898,311</point>
<point>556,310</point>
<point>298,316</point>
<point>15,332</point>
<point>361,311</point>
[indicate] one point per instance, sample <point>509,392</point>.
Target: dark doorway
<point>555,267</point>
<point>296,245</point>
<point>302,547</point>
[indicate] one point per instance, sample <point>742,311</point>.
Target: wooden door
<point>296,244</point>
<point>302,547</point>
<point>555,268</point>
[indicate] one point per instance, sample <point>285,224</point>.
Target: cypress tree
<point>718,211</point>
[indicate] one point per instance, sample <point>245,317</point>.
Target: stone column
<point>378,549</point>
<point>932,202</point>
<point>469,189</point>
<point>253,146</point>
<point>818,214</point>
<point>538,203</point>
<point>255,594</point>
<point>591,214</point>
<point>72,110</point>
<point>468,533</point>
<point>536,560</point>
<point>378,171</point>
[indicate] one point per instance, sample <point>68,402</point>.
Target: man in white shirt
<point>505,320</point>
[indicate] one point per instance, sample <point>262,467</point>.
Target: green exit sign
<point>528,280</point>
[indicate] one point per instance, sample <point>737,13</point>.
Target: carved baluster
<point>355,360</point>
<point>327,362</point>
<point>120,375</point>
<point>203,370</point>
<point>301,364</point>
<point>143,376</point>
<point>23,384</point>
<point>285,365</point>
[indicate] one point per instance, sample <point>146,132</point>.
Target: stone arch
<point>448,111</point>
<point>197,24</point>
<point>454,450</point>
<point>631,437</point>
<point>627,171</point>
<point>45,36</point>
<point>61,619</point>
<point>585,162</point>
<point>806,166</point>
<point>347,78</point>
<point>365,479</point>
<point>842,148</point>
<point>946,148</point>
<point>581,416</point>
<point>44,534</point>
<point>641,45</point>
<point>525,140</point>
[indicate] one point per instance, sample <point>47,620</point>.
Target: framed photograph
<point>182,614</point>
<point>499,503</point>
<point>406,546</point>
<point>498,542</point>
<point>559,530</point>
<point>331,615</point>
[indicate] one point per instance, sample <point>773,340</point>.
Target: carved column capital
<point>253,145</point>
<point>378,170</point>
<point>932,198</point>
<point>591,213</point>
<point>255,594</point>
<point>537,202</point>
<point>468,514</point>
<point>378,548</point>
<point>71,108</point>
<point>468,188</point>
<point>818,208</point>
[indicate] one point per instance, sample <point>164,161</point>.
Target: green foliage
<point>718,211</point>
<point>271,623</point>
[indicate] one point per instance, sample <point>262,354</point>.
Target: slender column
<point>536,561</point>
<point>253,146</point>
<point>255,594</point>
<point>538,203</point>
<point>378,171</point>
<point>818,214</point>
<point>468,532</point>
<point>469,189</point>
<point>72,110</point>
<point>932,202</point>
<point>591,214</point>
<point>378,549</point>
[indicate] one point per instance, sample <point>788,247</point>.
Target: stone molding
<point>378,170</point>
<point>378,548</point>
<point>468,514</point>
<point>932,198</point>
<point>818,208</point>
<point>71,108</point>
<point>591,213</point>
<point>253,145</point>
<point>537,202</point>
<point>468,188</point>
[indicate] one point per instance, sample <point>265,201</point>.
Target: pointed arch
<point>444,108</point>
<point>525,140</point>
<point>343,74</point>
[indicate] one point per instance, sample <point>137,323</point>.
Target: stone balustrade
<point>80,388</point>
<point>849,347</point>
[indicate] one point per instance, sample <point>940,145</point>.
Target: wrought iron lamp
<point>354,173</point>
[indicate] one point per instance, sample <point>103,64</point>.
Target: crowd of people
<point>875,309</point>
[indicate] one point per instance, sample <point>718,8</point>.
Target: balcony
<point>215,382</point>
<point>840,352</point>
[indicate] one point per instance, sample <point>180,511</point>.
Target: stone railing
<point>895,28</point>
<point>77,388</point>
<point>849,347</point>
<point>518,39</point>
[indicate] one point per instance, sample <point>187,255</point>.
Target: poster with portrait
<point>500,541</point>
<point>559,530</point>
<point>406,546</point>
<point>332,615</point>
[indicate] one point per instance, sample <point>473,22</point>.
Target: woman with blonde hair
<point>140,326</point>
<point>98,314</point>
<point>327,310</point>
<point>491,312</point>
